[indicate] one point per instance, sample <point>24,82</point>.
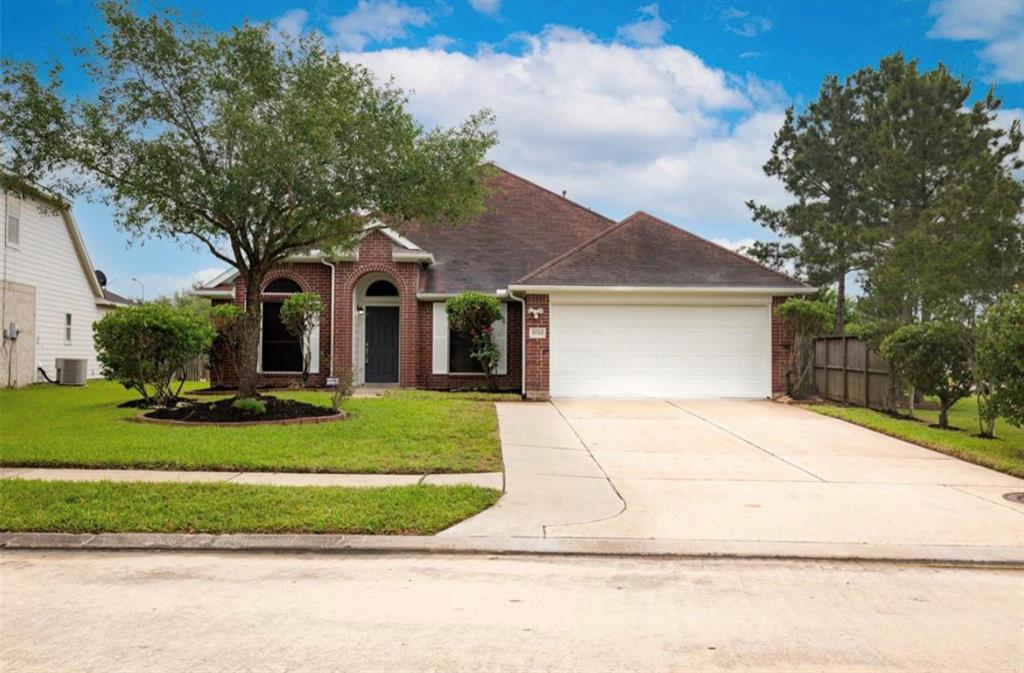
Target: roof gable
<point>644,251</point>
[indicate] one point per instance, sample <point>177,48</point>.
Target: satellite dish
<point>101,278</point>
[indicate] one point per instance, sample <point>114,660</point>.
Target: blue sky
<point>668,108</point>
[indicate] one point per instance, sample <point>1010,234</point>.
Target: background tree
<point>300,315</point>
<point>819,155</point>
<point>253,148</point>
<point>943,192</point>
<point>1000,362</point>
<point>934,358</point>
<point>474,314</point>
<point>144,347</point>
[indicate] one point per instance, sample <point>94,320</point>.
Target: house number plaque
<point>538,332</point>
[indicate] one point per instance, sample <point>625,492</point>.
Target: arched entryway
<point>375,333</point>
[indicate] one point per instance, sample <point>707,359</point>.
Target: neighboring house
<point>49,291</point>
<point>615,309</point>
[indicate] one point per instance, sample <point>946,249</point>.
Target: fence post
<point>846,396</point>
<point>867,375</point>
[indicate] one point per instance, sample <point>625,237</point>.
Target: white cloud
<point>997,23</point>
<point>162,284</point>
<point>375,21</point>
<point>488,7</point>
<point>743,23</point>
<point>973,19</point>
<point>291,23</point>
<point>648,30</point>
<point>621,128</point>
<point>440,42</point>
<point>734,244</point>
<point>751,54</point>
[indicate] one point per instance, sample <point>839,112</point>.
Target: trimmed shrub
<point>250,405</point>
<point>935,358</point>
<point>144,347</point>
<point>473,314</point>
<point>300,315</point>
<point>1000,362</point>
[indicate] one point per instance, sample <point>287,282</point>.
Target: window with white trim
<point>451,350</point>
<point>67,327</point>
<point>13,221</point>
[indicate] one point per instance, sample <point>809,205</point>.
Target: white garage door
<point>660,351</point>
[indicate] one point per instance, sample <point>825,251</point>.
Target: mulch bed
<point>221,411</point>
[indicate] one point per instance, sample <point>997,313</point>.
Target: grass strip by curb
<point>107,507</point>
<point>1005,454</point>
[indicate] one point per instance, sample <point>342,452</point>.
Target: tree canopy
<point>893,175</point>
<point>250,144</point>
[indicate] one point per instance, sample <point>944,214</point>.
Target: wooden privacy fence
<point>847,370</point>
<point>197,369</point>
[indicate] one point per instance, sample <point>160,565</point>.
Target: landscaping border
<point>305,420</point>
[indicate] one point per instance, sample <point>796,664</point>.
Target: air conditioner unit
<point>71,371</point>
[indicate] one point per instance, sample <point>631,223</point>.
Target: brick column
<point>538,350</point>
<point>783,332</point>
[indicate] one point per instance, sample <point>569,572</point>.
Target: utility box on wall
<point>18,351</point>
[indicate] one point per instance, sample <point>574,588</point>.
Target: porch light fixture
<point>360,310</point>
<point>536,312</point>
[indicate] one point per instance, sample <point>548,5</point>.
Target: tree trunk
<point>911,399</point>
<point>841,303</point>
<point>943,414</point>
<point>990,430</point>
<point>250,343</point>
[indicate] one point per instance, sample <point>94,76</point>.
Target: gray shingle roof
<point>644,251</point>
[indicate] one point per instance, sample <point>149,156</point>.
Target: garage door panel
<point>639,351</point>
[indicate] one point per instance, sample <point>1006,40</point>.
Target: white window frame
<point>13,214</point>
<point>441,339</point>
<point>67,328</point>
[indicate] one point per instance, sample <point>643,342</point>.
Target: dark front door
<point>382,344</point>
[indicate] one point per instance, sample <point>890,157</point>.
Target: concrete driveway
<point>730,471</point>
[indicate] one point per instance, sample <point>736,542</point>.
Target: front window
<point>459,359</point>
<point>13,221</point>
<point>281,350</point>
<point>67,327</point>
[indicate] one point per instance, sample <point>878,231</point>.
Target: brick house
<point>592,307</point>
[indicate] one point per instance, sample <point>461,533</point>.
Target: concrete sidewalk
<point>484,479</point>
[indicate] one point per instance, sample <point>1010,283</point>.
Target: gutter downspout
<point>522,340</point>
<point>330,364</point>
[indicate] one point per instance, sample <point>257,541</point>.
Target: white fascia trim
<point>82,253</point>
<point>224,277</point>
<point>392,234</point>
<point>314,256</point>
<point>629,289</point>
<point>441,296</point>
<point>214,294</point>
<point>412,256</point>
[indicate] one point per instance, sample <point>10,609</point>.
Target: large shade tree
<point>247,143</point>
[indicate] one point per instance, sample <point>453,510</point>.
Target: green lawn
<point>402,432</point>
<point>97,507</point>
<point>1005,453</point>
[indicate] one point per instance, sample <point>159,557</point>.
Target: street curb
<point>1008,557</point>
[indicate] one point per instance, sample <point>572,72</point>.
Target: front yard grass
<point>401,432</point>
<point>107,507</point>
<point>1005,453</point>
